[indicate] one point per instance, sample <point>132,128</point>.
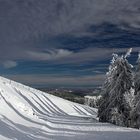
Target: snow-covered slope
<point>29,114</point>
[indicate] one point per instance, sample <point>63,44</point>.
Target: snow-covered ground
<point>29,114</point>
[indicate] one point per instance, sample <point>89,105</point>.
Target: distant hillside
<point>74,95</point>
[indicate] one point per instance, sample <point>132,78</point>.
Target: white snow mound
<point>29,114</point>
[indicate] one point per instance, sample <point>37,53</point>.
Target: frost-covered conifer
<point>118,92</point>
<point>137,76</point>
<point>135,114</point>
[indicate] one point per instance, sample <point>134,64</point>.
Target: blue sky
<point>59,43</point>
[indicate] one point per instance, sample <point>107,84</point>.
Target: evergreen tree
<point>118,90</point>
<point>135,115</point>
<point>137,76</point>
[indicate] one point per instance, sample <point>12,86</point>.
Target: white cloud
<point>93,54</point>
<point>64,56</point>
<point>9,64</point>
<point>49,55</point>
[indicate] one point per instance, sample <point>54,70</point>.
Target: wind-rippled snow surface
<point>29,114</point>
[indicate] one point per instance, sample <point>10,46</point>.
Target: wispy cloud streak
<point>56,80</point>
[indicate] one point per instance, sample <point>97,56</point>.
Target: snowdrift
<point>29,114</point>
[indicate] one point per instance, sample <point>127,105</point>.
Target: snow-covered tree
<point>117,92</point>
<point>135,114</point>
<point>137,76</point>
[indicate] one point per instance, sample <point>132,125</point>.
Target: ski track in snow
<point>29,114</point>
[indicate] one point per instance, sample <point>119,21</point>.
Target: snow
<point>29,114</point>
<point>92,101</point>
<point>128,53</point>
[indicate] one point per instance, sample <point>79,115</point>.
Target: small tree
<point>118,90</point>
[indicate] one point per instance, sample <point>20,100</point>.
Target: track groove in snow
<point>29,114</point>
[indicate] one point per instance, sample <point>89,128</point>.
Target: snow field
<point>29,114</point>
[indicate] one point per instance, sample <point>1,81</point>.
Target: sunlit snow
<point>29,114</point>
